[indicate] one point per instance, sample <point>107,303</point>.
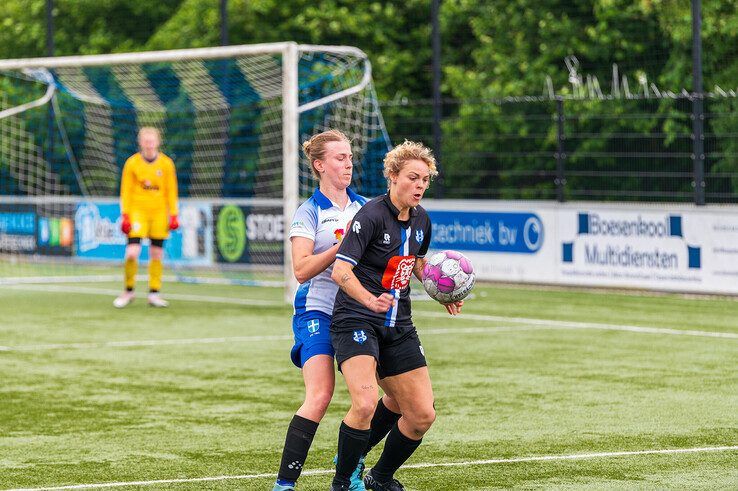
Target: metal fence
<point>609,149</point>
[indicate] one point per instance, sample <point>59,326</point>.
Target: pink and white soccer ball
<point>448,276</point>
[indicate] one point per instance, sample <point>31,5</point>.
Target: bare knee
<point>133,251</point>
<point>317,402</point>
<point>363,408</point>
<point>420,421</point>
<point>156,253</point>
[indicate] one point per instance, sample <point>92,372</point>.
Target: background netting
<point>221,121</point>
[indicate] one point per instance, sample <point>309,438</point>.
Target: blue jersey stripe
<point>346,258</point>
<point>391,317</point>
<point>301,297</point>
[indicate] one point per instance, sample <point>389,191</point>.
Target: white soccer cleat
<point>123,300</point>
<point>156,301</point>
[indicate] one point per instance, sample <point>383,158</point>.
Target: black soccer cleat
<point>371,483</point>
<point>339,487</point>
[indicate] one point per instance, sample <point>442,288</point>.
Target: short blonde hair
<point>314,148</point>
<point>396,158</point>
<point>149,129</point>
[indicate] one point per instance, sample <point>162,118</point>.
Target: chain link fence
<point>607,149</point>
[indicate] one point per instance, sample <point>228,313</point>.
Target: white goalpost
<point>231,117</point>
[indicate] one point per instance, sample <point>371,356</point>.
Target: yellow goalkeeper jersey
<point>149,186</point>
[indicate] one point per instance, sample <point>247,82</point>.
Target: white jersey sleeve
<point>305,222</point>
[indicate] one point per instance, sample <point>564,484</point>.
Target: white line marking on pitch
<point>547,323</point>
<point>173,296</point>
<point>553,324</point>
<point>235,339</point>
<point>513,460</point>
<point>145,342</point>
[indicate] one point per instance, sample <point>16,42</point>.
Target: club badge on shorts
<point>360,336</point>
<point>313,326</point>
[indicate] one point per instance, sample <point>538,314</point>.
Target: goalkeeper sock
<point>155,271</point>
<point>131,268</point>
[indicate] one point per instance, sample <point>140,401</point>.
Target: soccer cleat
<point>123,300</point>
<point>357,477</point>
<point>279,487</point>
<point>339,487</point>
<point>155,300</point>
<point>371,483</point>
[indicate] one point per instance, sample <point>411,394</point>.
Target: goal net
<point>231,118</point>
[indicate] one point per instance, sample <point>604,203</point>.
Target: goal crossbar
<point>171,55</point>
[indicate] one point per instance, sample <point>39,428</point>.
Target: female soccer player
<point>316,231</point>
<point>148,204</point>
<point>372,329</point>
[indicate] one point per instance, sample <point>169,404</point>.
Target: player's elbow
<point>339,269</point>
<point>301,276</point>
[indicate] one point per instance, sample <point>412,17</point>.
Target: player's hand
<point>454,308</point>
<point>173,222</point>
<point>125,224</point>
<point>381,303</point>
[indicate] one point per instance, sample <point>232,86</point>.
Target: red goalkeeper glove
<point>173,222</point>
<point>125,224</point>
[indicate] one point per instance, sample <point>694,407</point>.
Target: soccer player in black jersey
<point>372,330</point>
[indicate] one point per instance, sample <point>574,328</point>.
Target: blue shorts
<point>312,336</point>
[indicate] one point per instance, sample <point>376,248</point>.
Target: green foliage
<point>491,49</point>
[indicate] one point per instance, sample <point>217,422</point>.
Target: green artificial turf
<point>523,373</point>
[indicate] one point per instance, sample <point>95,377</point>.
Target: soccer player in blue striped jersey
<point>316,231</point>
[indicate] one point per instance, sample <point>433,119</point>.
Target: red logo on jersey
<point>339,234</point>
<point>398,272</point>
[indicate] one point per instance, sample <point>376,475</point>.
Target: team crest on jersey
<point>419,236</point>
<point>360,336</point>
<point>313,326</point>
<point>338,233</point>
<point>398,272</point>
<point>386,239</point>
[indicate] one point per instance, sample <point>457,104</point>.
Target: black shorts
<point>396,349</point>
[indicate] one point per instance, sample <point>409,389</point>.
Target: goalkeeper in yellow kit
<point>148,204</point>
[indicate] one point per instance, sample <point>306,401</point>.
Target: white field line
<point>235,339</point>
<point>544,323</point>
<point>554,324</point>
<point>513,460</point>
<point>173,296</point>
<point>145,342</point>
<point>31,280</point>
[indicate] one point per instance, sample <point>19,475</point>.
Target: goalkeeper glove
<point>173,222</point>
<point>125,224</point>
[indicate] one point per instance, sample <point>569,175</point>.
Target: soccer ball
<point>448,276</point>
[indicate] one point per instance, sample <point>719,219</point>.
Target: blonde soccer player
<point>149,209</point>
<point>372,329</point>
